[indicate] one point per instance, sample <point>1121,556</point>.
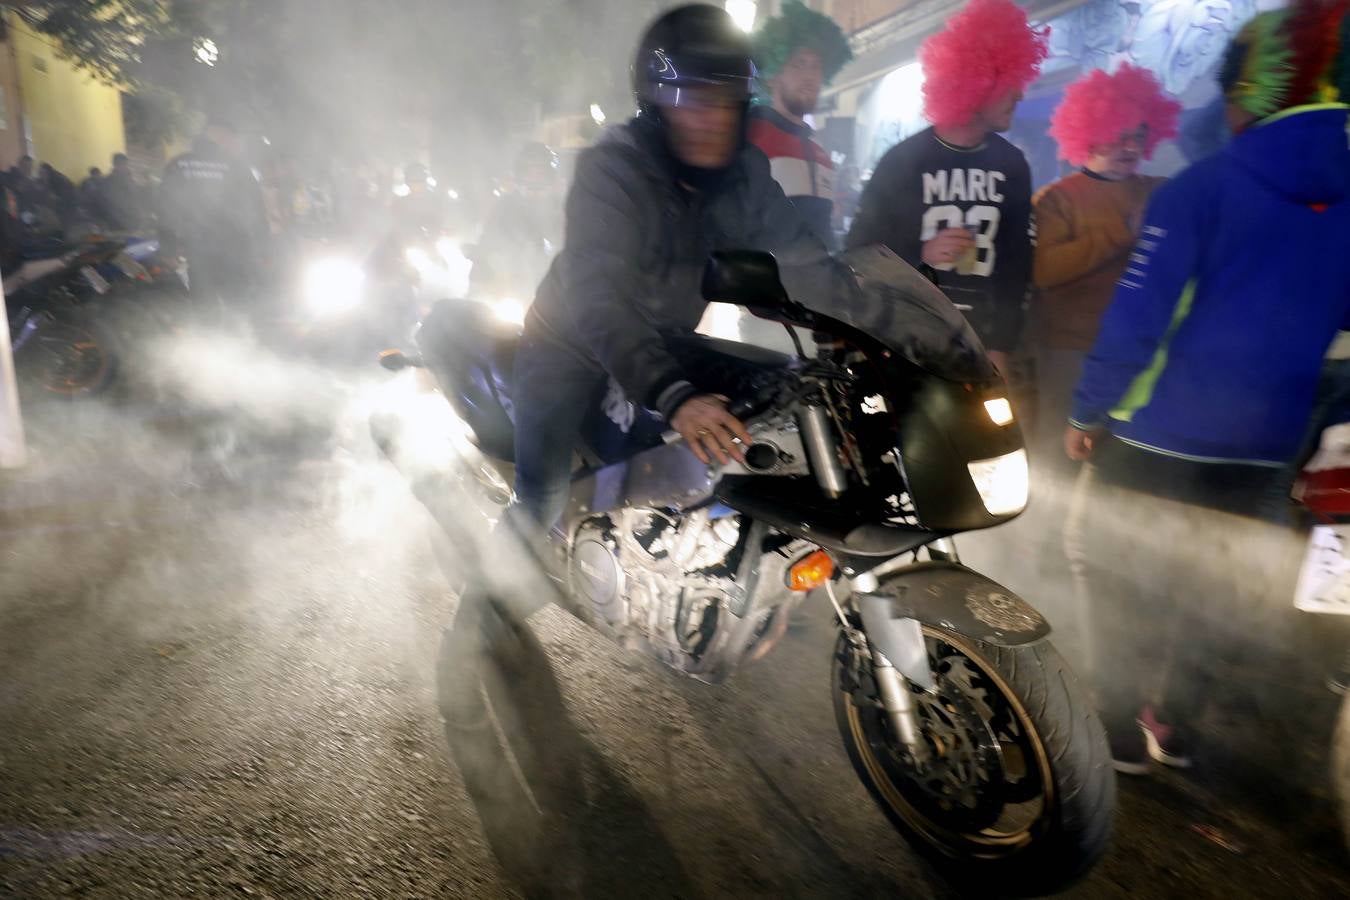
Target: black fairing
<point>943,429</point>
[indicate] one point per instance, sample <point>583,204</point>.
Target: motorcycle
<point>963,722</point>
<point>59,344</point>
<point>1323,489</point>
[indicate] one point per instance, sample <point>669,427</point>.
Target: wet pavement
<point>218,678</point>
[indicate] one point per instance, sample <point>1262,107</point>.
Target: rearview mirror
<point>746,278</point>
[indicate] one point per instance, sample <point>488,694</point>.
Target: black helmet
<point>691,45</point>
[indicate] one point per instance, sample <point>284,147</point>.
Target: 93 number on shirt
<point>983,218</point>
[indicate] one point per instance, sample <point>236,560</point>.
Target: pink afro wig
<point>1099,108</point>
<point>985,51</point>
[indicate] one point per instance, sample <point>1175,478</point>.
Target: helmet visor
<point>700,96</point>
<point>699,80</point>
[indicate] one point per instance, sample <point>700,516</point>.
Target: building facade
<point>51,110</point>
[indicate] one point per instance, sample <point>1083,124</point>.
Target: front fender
<point>948,596</point>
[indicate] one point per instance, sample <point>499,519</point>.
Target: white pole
<point>12,452</point>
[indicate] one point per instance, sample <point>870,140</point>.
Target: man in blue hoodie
<point>1204,373</point>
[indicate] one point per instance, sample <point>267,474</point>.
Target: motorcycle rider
<point>648,203</point>
<point>523,228</point>
<point>211,212</point>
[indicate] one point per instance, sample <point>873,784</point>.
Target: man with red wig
<point>1088,222</point>
<point>957,197</point>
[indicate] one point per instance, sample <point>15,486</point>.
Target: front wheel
<point>1017,794</point>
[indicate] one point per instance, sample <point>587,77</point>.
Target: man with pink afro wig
<point>956,198</point>
<point>987,53</point>
<point>1099,109</point>
<point>1088,222</point>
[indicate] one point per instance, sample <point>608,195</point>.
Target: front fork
<point>903,641</point>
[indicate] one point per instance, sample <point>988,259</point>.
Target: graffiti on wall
<point>1182,41</point>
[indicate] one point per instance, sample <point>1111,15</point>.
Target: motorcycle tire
<point>69,356</point>
<point>1340,769</point>
<point>1038,713</point>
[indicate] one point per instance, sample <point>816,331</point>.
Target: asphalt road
<point>218,679</point>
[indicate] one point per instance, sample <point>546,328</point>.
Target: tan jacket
<point>1086,229</point>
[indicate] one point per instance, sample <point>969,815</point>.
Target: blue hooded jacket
<point>1212,347</point>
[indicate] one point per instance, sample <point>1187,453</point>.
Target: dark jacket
<point>922,186</point>
<point>121,201</point>
<point>635,245</point>
<point>212,206</point>
<point>1213,345</point>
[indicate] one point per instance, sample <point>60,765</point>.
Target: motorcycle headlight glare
<point>1003,482</point>
<point>333,286</point>
<point>509,310</point>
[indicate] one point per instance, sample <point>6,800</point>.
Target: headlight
<point>333,286</point>
<point>418,258</point>
<point>1000,411</point>
<point>509,310</point>
<point>1003,482</point>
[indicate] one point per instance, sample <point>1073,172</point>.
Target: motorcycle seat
<point>473,354</point>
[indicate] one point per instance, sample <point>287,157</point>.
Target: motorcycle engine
<point>656,581</point>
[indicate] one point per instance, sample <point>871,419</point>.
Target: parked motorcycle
<point>964,723</point>
<point>60,348</point>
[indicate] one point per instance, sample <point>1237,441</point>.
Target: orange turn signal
<point>811,572</point>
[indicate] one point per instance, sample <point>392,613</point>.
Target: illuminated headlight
<point>450,252</point>
<point>418,258</point>
<point>1003,482</point>
<point>509,310</point>
<point>333,286</point>
<point>1000,411</point>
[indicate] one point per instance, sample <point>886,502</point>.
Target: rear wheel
<point>1017,795</point>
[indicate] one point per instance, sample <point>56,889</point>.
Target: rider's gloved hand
<point>710,430</point>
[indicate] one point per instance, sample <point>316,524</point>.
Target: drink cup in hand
<point>970,256</point>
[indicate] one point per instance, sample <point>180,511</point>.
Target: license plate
<point>1324,580</point>
<point>95,280</point>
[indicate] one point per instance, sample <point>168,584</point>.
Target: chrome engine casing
<point>671,585</point>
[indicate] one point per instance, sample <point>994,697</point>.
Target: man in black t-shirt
<point>956,197</point>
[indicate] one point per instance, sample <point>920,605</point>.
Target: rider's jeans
<point>552,393</point>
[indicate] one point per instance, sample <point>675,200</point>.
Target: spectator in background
<point>522,231</point>
<point>1087,223</point>
<point>90,189</point>
<point>60,190</point>
<point>798,52</point>
<point>956,197</point>
<point>122,199</point>
<point>1201,381</point>
<point>23,169</point>
<point>25,187</point>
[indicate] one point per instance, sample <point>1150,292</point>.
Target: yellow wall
<point>75,120</point>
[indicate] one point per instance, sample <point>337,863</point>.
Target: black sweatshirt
<point>922,186</point>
